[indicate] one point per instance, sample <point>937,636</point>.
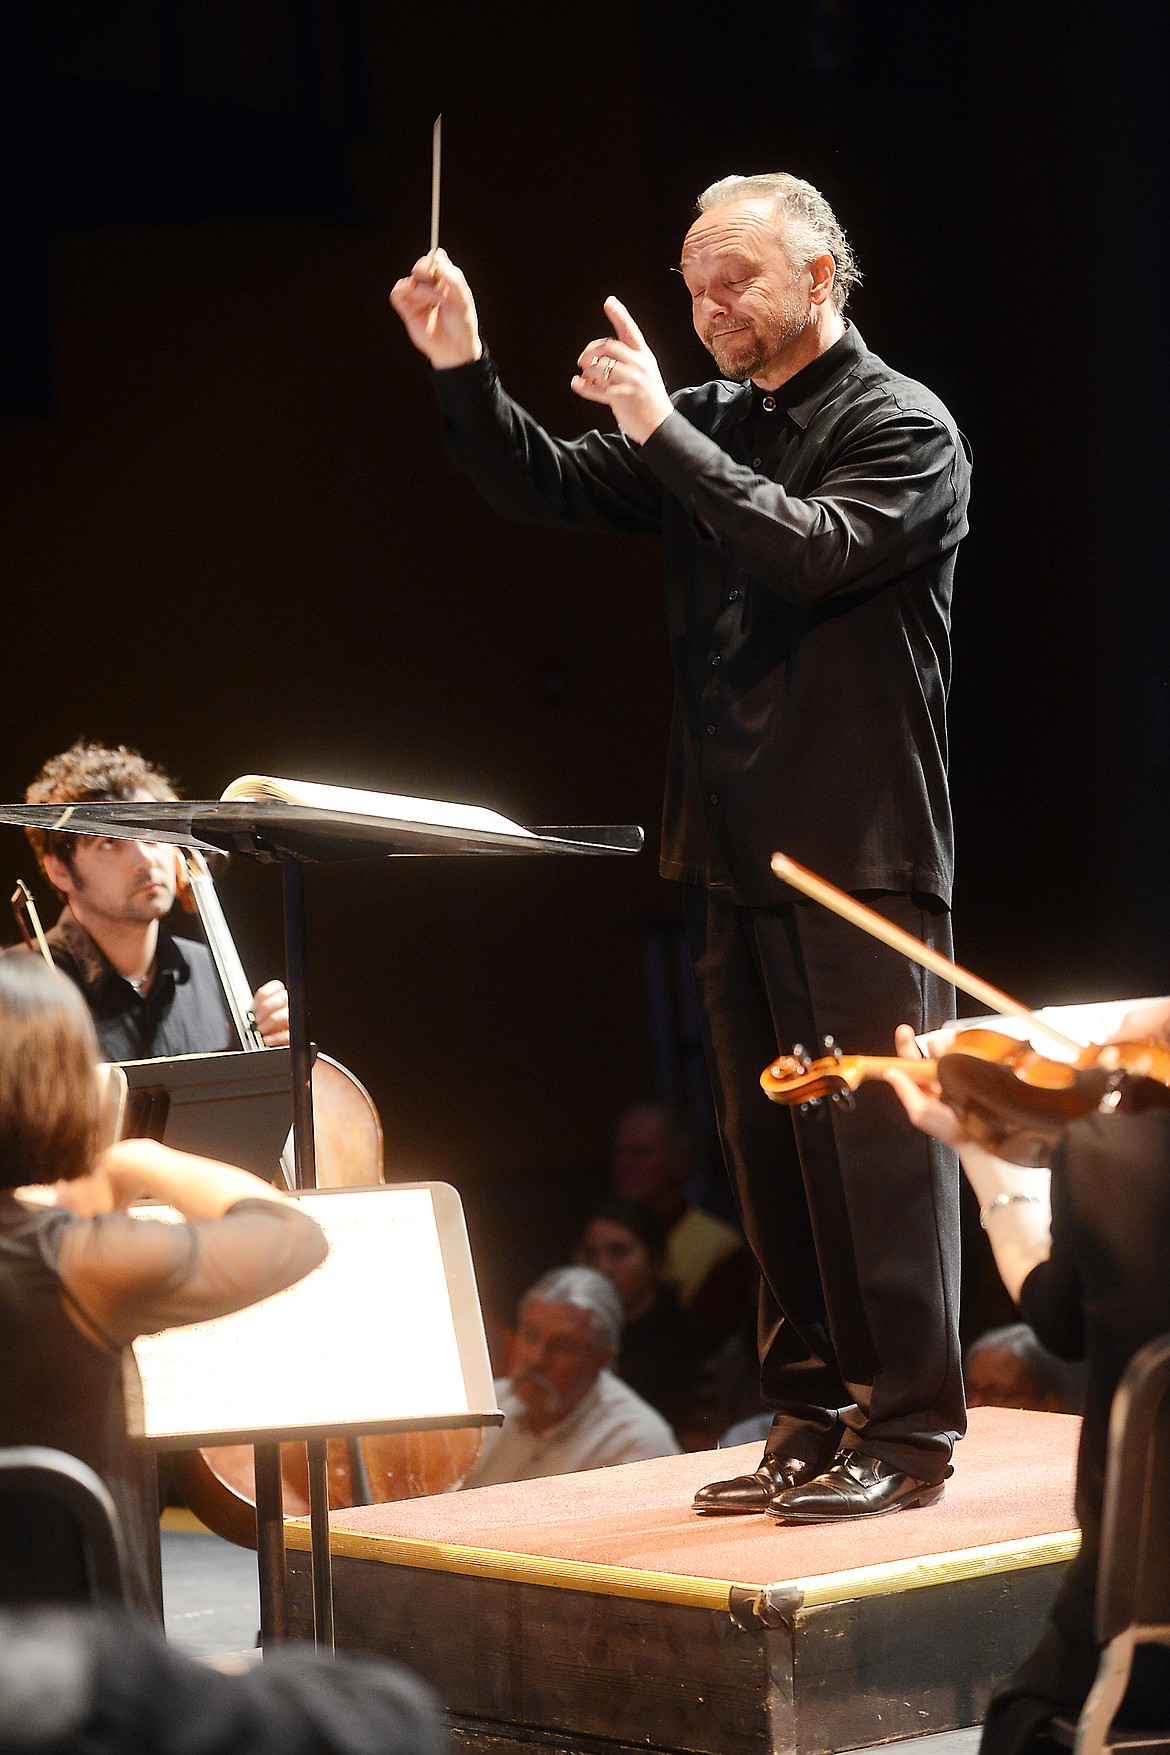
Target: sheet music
<point>366,1338</point>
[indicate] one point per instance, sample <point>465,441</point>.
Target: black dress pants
<point>852,1216</point>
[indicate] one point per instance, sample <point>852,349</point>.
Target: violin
<point>1010,1099</point>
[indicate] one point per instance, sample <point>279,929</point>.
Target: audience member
<point>76,1682</point>
<point>80,1278</point>
<point>663,1345</point>
<point>1010,1368</point>
<point>563,1407</point>
<point>706,1258</point>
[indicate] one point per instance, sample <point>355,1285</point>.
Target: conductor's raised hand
<point>435,303</point>
<point>620,371</point>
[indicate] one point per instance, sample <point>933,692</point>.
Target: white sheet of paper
<point>372,1335</point>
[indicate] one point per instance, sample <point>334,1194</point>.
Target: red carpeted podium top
<point>630,1530</point>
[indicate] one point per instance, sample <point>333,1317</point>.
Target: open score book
<point>256,788</point>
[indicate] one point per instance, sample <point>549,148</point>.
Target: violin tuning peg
<point>801,1053</point>
<point>831,1047</point>
<point>846,1098</point>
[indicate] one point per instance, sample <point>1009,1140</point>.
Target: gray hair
<point>585,1289</point>
<point>810,226</point>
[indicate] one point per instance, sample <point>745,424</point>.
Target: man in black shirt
<point>149,992</point>
<point>810,511</point>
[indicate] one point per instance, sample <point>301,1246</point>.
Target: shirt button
<point>757,462</point>
<point>710,731</point>
<point>715,660</point>
<point>714,798</point>
<point>733,596</point>
<point>768,404</point>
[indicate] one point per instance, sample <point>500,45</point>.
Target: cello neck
<point>222,947</point>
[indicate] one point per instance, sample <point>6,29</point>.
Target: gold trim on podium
<point>703,1593</point>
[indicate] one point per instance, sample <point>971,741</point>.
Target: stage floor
<point>597,1610</point>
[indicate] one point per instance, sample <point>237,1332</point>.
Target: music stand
<point>232,1106</point>
<point>291,836</point>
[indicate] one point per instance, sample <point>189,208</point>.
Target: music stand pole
<point>296,942</point>
<point>296,955</point>
<point>270,1557</point>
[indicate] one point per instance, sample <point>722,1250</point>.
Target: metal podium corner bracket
<point>752,1609</point>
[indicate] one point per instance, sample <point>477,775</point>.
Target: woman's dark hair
<point>634,1216</point>
<point>50,1103</point>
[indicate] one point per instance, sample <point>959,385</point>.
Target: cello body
<point>219,1483</point>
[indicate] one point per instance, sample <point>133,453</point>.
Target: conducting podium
<point>291,824</point>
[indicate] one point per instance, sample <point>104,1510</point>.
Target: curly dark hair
<point>84,772</point>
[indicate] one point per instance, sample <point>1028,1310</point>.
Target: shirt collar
<point>802,395</point>
<point>94,967</point>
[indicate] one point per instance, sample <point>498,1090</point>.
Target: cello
<point>219,1483</point>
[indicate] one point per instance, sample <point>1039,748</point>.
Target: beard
<point>743,352</point>
<point>546,1397</point>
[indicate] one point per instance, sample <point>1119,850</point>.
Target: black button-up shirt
<point>810,536</point>
<point>183,1012</point>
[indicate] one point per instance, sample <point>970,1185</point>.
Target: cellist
<point>149,992</point>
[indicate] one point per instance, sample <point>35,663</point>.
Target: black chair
<point>60,1539</point>
<point>1133,1577</point>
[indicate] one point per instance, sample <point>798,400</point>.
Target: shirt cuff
<point>678,453</point>
<point>464,392</point>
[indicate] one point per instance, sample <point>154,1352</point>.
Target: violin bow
<point>849,908</point>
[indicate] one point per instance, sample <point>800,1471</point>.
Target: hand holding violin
<point>924,1104</point>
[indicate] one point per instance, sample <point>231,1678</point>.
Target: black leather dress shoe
<point>755,1492</point>
<point>855,1486</point>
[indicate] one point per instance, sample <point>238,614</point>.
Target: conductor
<point>810,502</point>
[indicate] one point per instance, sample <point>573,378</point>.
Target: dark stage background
<point>230,538</point>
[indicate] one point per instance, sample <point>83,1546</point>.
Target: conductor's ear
<point>824,272</point>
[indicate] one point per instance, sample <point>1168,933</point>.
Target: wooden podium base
<point>595,1613</point>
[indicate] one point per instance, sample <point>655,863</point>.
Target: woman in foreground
<point>80,1278</point>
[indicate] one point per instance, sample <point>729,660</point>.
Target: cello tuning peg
<point>801,1053</point>
<point>846,1098</point>
<point>831,1047</point>
<point>808,1108</point>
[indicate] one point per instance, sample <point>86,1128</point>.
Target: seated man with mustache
<point>564,1409</point>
